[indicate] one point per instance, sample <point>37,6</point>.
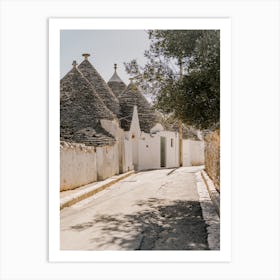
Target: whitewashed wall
<point>172,153</point>
<point>112,126</point>
<point>107,161</point>
<point>149,152</point>
<point>193,152</point>
<point>77,165</point>
<point>127,156</point>
<point>124,142</point>
<point>135,152</point>
<point>134,134</point>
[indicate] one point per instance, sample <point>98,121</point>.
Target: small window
<point>147,146</point>
<point>133,136</point>
<point>171,143</point>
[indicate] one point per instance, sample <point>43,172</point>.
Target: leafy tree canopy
<point>194,96</point>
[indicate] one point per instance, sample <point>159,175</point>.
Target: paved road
<point>151,210</point>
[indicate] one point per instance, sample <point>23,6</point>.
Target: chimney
<point>74,64</point>
<point>85,55</point>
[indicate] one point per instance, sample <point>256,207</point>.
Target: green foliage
<point>193,97</point>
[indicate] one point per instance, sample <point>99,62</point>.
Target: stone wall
<point>107,161</point>
<point>212,157</point>
<point>81,165</point>
<point>77,165</point>
<point>148,151</point>
<point>172,147</point>
<point>124,144</point>
<point>193,152</point>
<point>127,156</point>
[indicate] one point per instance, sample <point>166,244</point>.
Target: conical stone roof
<point>116,84</point>
<point>81,110</point>
<point>100,86</point>
<point>130,97</point>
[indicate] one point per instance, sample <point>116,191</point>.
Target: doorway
<point>162,152</point>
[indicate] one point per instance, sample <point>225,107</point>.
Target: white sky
<point>106,48</point>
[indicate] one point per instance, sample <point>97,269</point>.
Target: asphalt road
<point>151,210</point>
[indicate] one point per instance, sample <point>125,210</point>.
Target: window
<point>171,142</point>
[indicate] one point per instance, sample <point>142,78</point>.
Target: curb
<point>214,195</point>
<point>91,190</point>
<point>209,213</point>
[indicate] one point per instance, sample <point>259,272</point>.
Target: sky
<point>106,47</point>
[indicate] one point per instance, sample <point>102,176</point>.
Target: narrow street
<point>150,210</point>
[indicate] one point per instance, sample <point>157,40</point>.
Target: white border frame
<point>55,254</point>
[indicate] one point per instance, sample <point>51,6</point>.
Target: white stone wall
<point>127,156</point>
<point>112,126</point>
<point>81,165</point>
<point>186,153</point>
<point>107,159</point>
<point>172,152</point>
<point>135,152</point>
<point>77,165</point>
<point>193,152</point>
<point>124,143</point>
<point>134,134</point>
<point>149,152</point>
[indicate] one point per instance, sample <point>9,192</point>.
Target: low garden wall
<point>81,165</point>
<point>77,165</point>
<point>107,161</point>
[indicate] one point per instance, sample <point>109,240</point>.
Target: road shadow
<point>157,225</point>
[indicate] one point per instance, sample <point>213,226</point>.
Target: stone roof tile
<point>100,86</point>
<point>116,84</point>
<point>81,110</point>
<point>133,96</point>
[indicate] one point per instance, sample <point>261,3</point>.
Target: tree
<point>194,96</point>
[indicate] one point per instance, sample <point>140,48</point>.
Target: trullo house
<point>107,129</point>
